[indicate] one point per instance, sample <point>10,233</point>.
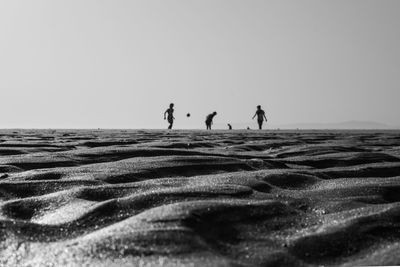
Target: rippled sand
<point>197,198</point>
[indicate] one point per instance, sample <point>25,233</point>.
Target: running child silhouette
<point>260,116</point>
<point>209,120</point>
<point>170,112</point>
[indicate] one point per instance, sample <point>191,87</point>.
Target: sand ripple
<point>196,198</point>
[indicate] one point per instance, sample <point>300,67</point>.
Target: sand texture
<point>197,198</point>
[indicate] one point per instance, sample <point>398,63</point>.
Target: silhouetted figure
<point>229,126</point>
<point>260,116</point>
<point>209,120</point>
<point>170,113</point>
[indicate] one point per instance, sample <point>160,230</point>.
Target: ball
<point>188,115</point>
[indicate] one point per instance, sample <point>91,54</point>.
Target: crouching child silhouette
<point>209,120</point>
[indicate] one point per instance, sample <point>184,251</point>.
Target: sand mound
<point>196,198</point>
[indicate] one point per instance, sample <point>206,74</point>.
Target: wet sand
<point>197,198</point>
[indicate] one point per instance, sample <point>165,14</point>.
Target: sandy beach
<point>197,198</point>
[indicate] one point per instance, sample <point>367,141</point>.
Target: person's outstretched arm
<point>165,113</point>
<point>265,117</point>
<point>254,116</point>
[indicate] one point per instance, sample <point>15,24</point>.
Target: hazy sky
<point>118,64</point>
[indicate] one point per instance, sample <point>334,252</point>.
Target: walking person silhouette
<point>260,116</point>
<point>209,120</point>
<point>170,112</point>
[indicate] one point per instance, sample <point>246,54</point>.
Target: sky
<point>119,63</point>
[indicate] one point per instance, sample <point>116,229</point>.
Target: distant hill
<point>357,125</point>
<point>340,125</point>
